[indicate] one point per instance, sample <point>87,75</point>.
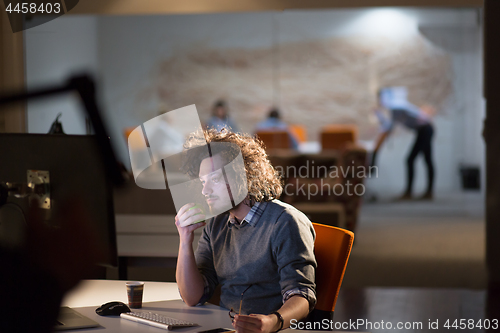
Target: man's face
<point>215,188</point>
<point>221,112</point>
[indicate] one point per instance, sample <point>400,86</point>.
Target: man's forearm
<point>296,307</point>
<point>189,280</point>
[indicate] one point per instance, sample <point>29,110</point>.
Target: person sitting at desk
<point>220,118</point>
<point>274,123</point>
<point>260,251</point>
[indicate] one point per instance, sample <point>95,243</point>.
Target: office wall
<point>54,51</point>
<point>317,65</point>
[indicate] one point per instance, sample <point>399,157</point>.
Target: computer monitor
<point>75,169</point>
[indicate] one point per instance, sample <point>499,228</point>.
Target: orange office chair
<point>299,131</point>
<point>338,136</point>
<point>275,139</point>
<point>332,248</point>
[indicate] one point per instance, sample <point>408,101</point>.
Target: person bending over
<point>403,112</point>
<point>260,251</point>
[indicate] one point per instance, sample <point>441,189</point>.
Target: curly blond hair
<point>264,183</point>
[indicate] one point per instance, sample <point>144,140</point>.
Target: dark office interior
<point>322,65</point>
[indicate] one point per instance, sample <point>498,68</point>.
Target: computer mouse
<point>112,309</point>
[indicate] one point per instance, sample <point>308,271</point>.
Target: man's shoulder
<point>279,205</point>
<point>285,211</point>
<point>289,221</point>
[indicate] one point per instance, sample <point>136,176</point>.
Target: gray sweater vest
<point>274,256</point>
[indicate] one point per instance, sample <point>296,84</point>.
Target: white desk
<point>159,297</point>
<point>97,292</point>
<point>207,316</point>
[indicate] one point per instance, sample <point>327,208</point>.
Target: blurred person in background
<point>274,123</point>
<point>394,100</point>
<point>220,118</point>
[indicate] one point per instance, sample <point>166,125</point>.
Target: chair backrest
<point>275,139</point>
<point>299,131</point>
<point>332,248</point>
<point>338,136</point>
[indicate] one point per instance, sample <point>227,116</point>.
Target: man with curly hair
<point>260,251</point>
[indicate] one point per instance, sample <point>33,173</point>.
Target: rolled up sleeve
<point>294,252</point>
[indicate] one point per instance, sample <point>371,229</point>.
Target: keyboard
<point>156,320</point>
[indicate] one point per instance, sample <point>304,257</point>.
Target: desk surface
<point>97,292</point>
<point>159,297</point>
<point>207,316</point>
<point>406,305</point>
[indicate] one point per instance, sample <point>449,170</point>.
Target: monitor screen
<point>75,170</point>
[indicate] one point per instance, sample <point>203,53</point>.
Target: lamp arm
<point>85,87</point>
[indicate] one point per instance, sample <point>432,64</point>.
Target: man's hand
<point>184,219</point>
<point>296,307</point>
<point>255,323</point>
<point>189,280</point>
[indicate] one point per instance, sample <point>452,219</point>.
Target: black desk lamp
<point>84,86</point>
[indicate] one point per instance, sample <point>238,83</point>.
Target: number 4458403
<point>471,324</point>
<point>33,8</point>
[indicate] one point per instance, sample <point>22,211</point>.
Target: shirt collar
<point>253,215</point>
